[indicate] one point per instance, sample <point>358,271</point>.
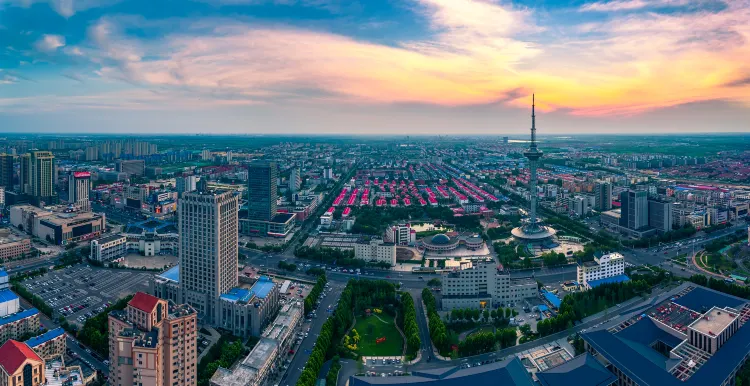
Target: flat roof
<point>109,238</point>
<point>18,316</point>
<point>583,370</point>
<point>282,217</point>
<point>714,321</point>
<point>262,287</point>
<point>609,280</point>
<point>238,295</point>
<point>261,353</point>
<point>46,337</point>
<point>7,295</point>
<point>701,299</point>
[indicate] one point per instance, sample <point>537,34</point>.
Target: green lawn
<point>380,327</point>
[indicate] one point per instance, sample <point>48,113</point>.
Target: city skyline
<point>418,67</point>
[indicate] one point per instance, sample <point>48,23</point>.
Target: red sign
<point>81,174</point>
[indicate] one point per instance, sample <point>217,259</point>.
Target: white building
<point>606,266</point>
<point>294,180</point>
<point>108,248</point>
<point>480,286</point>
<point>376,250</point>
<point>79,185</point>
<point>186,184</point>
<point>400,234</point>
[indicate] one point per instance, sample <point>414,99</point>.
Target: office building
<point>108,248</point>
<point>24,173</point>
<point>295,180</point>
<point>376,250</point>
<point>136,167</point>
<point>56,225</point>
<point>608,268</point>
<point>690,336</point>
<point>634,209</point>
<point>603,196</point>
<point>6,171</point>
<point>185,184</point>
<point>400,234</point>
<point>481,286</point>
<point>246,311</point>
<point>79,185</point>
<point>208,229</point>
<point>153,343</point>
<point>12,246</point>
<point>41,177</point>
<point>660,215</point>
<point>262,190</point>
<point>20,365</point>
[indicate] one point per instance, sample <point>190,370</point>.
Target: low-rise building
<point>400,234</point>
<point>49,345</point>
<point>20,365</point>
<point>108,248</point>
<point>481,286</point>
<point>375,250</point>
<point>14,321</point>
<point>12,246</point>
<point>603,269</point>
<point>56,225</point>
<point>279,226</point>
<point>245,312</point>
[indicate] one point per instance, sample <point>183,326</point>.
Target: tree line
<point>408,318</point>
<point>291,267</point>
<point>315,293</point>
<point>222,354</point>
<point>484,342</point>
<point>95,331</point>
<point>438,331</point>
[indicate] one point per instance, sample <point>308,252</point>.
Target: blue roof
<point>262,287</point>
<point>609,280</point>
<point>552,298</point>
<point>18,316</point>
<point>583,370</point>
<point>172,274</point>
<point>7,295</point>
<point>704,298</point>
<point>46,337</point>
<point>3,272</point>
<point>238,295</point>
<point>543,307</point>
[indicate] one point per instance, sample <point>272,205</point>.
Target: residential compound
<point>153,343</point>
<point>267,354</point>
<point>481,286</point>
<point>603,269</point>
<point>56,225</point>
<point>375,250</point>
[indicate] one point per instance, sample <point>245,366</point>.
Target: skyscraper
<point>42,176</point>
<point>603,196</point>
<point>79,185</point>
<point>25,173</point>
<point>660,215</point>
<point>6,171</point>
<point>294,179</point>
<point>186,184</point>
<point>208,228</point>
<point>262,191</point>
<point>634,209</point>
<point>153,342</point>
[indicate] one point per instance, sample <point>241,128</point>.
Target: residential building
<point>108,248</point>
<point>481,286</point>
<point>49,345</point>
<point>153,343</point>
<point>208,229</point>
<point>20,365</point>
<point>295,180</point>
<point>262,190</point>
<point>717,216</point>
<point>186,184</point>
<point>6,171</point>
<point>660,215</point>
<point>79,185</point>
<point>400,234</point>
<point>603,269</point>
<point>56,225</point>
<point>14,321</point>
<point>376,250</point>
<point>41,177</point>
<point>135,167</point>
<point>634,209</point>
<point>24,175</point>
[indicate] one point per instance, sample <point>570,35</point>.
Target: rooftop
<point>7,295</point>
<point>109,238</point>
<point>262,287</point>
<point>261,353</point>
<point>14,353</point>
<point>583,370</point>
<point>282,217</point>
<point>172,274</point>
<point>609,280</point>
<point>714,321</point>
<point>46,337</point>
<point>18,316</point>
<point>143,301</point>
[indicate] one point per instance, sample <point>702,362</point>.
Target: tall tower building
<point>603,196</point>
<point>294,180</point>
<point>262,190</point>
<point>634,209</point>
<point>153,342</point>
<point>533,230</point>
<point>25,173</point>
<point>79,185</point>
<point>6,171</point>
<point>42,175</point>
<point>185,184</point>
<point>660,215</point>
<point>208,227</point>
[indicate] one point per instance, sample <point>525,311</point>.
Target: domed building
<point>443,242</point>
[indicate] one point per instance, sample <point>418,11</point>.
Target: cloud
<point>629,5</point>
<point>50,43</point>
<point>8,79</point>
<point>65,8</point>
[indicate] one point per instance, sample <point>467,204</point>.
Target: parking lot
<point>81,291</point>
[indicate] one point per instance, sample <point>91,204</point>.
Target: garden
<point>375,335</point>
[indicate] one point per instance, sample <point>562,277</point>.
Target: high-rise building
<point>634,209</point>
<point>25,173</point>
<point>79,185</point>
<point>208,228</point>
<point>505,140</point>
<point>262,190</point>
<point>136,167</point>
<point>660,215</point>
<point>603,196</point>
<point>152,342</point>
<point>6,171</point>
<point>294,180</point>
<point>186,184</point>
<point>42,176</point>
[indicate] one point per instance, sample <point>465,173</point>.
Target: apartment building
<point>376,250</point>
<point>135,167</point>
<point>49,345</point>
<point>481,286</point>
<point>153,343</point>
<point>20,365</point>
<point>400,234</point>
<point>605,268</point>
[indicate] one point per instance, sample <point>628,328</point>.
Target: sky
<point>391,67</point>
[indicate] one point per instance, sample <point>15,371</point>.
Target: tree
<point>485,315</point>
<point>434,282</point>
<point>493,314</point>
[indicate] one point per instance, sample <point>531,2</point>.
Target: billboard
<point>82,174</point>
